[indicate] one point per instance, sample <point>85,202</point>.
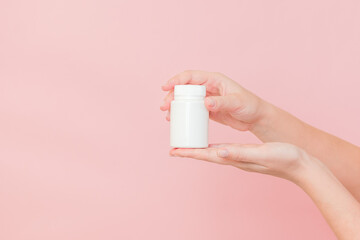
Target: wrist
<point>277,125</point>
<point>267,116</point>
<point>310,170</point>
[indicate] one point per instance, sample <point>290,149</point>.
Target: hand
<point>278,159</point>
<point>228,103</point>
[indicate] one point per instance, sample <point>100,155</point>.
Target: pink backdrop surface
<point>84,146</point>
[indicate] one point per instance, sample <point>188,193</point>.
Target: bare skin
<point>304,159</point>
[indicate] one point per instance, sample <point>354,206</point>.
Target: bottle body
<point>189,120</point>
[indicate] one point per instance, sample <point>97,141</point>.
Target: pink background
<point>84,146</point>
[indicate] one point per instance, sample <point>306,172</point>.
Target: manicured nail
<point>223,153</point>
<point>210,102</point>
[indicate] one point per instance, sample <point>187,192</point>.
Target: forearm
<point>338,206</point>
<point>341,157</point>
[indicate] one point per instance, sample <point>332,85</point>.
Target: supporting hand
<point>338,206</point>
<point>278,159</point>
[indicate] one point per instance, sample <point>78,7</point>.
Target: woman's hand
<point>277,159</point>
<point>232,105</point>
<point>338,206</point>
<point>227,102</point>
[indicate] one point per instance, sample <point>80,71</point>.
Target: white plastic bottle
<point>189,118</point>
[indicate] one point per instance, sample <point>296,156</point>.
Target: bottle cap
<point>190,90</point>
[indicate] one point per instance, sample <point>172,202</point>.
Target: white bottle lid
<point>190,90</point>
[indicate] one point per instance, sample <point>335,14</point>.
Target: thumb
<point>226,103</point>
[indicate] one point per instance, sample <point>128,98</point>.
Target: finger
<point>207,154</point>
<point>168,116</point>
<point>246,157</point>
<point>219,145</point>
<point>167,101</point>
<point>211,80</point>
<point>250,153</point>
<point>186,77</point>
<point>228,103</point>
<point>215,155</point>
<point>220,117</point>
<point>227,119</point>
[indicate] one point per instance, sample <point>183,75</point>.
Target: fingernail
<point>210,102</point>
<point>223,153</point>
